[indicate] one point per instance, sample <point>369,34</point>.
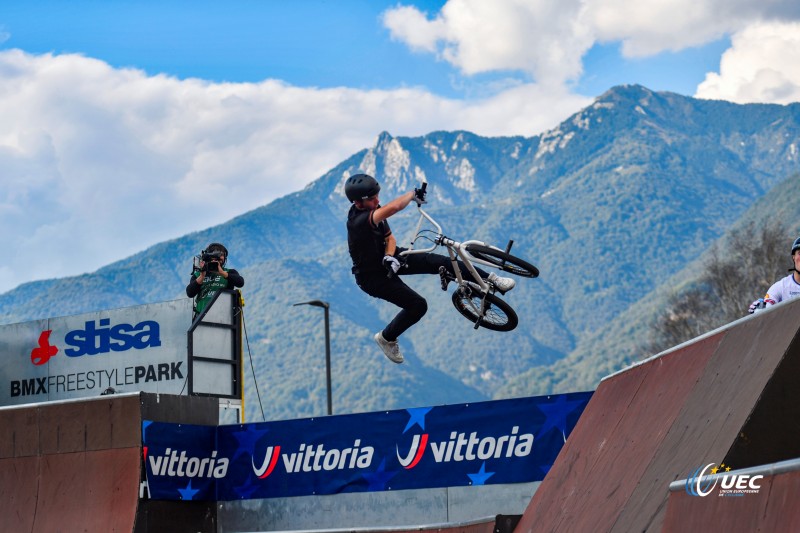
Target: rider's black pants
<point>394,290</point>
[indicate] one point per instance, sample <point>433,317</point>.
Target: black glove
<point>419,196</point>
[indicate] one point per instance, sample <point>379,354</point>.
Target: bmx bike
<point>474,297</point>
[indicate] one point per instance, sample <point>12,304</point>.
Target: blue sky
<point>315,43</point>
<point>128,123</point>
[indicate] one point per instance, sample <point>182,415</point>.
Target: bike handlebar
<point>425,216</point>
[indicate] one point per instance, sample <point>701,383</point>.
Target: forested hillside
<point>614,206</point>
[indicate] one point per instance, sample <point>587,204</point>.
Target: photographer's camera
<point>208,262</point>
<point>211,261</point>
<point>211,256</point>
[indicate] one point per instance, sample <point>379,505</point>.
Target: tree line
<point>737,271</point>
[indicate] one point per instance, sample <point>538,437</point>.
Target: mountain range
<point>616,206</point>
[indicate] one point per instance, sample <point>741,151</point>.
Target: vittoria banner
<point>497,442</point>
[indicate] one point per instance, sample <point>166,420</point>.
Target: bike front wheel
<point>499,316</point>
<point>502,260</point>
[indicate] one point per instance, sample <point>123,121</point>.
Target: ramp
<point>69,465</point>
<point>76,465</point>
<point>727,397</point>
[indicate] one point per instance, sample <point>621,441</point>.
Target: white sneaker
<point>390,348</point>
<point>501,284</point>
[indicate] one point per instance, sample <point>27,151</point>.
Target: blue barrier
<point>495,442</point>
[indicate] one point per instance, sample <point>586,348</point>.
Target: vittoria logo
<point>270,460</point>
<point>177,464</point>
<point>315,458</point>
<point>463,447</point>
<point>414,453</point>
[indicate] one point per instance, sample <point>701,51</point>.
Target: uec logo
<point>701,484</point>
<point>697,486</point>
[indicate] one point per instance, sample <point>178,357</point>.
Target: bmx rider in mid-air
<point>376,266</point>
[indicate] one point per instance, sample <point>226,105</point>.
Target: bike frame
<point>454,248</point>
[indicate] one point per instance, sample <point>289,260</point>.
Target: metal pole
<point>328,360</point>
<point>326,307</point>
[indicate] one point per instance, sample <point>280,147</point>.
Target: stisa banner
<point>496,442</point>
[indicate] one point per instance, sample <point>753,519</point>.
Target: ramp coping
<point>771,469</point>
<point>71,400</point>
<point>720,329</point>
<point>387,529</point>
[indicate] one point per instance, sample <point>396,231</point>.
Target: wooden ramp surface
<point>76,465</point>
<point>71,466</point>
<point>728,397</point>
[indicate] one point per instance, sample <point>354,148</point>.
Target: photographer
<point>210,276</point>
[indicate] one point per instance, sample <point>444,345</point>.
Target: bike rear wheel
<point>499,315</point>
<point>502,260</point>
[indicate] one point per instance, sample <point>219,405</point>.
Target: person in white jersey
<point>785,288</point>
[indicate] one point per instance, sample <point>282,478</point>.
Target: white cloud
<point>647,28</point>
<point>414,28</point>
<point>97,163</point>
<point>762,65</point>
<point>548,38</point>
<point>545,38</point>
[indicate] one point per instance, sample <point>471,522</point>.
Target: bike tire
<point>499,316</point>
<point>502,260</point>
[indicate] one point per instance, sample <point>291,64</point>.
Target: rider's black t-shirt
<point>366,241</point>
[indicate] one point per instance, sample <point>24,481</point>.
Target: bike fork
<point>482,314</point>
<point>484,306</point>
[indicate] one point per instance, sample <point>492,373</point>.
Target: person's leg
<point>412,306</point>
<point>429,263</point>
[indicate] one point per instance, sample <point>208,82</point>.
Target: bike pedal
<point>445,280</point>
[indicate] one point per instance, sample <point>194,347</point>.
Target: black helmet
<point>361,187</point>
<point>796,245</point>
